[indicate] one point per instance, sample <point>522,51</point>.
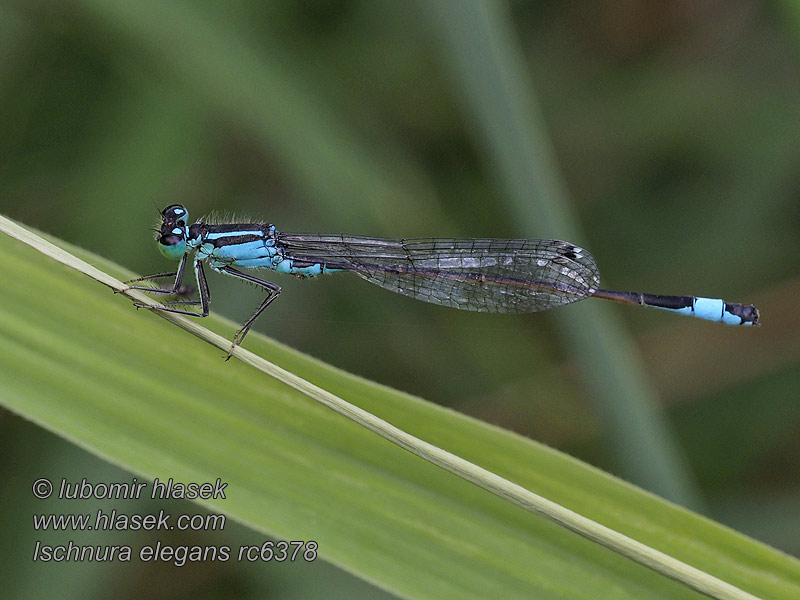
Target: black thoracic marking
<point>233,240</point>
<point>296,262</point>
<point>201,229</point>
<point>226,227</point>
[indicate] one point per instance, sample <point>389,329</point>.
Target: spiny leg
<point>272,292</point>
<point>202,285</point>
<point>153,276</point>
<point>176,287</point>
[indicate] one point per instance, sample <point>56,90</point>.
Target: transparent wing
<point>485,275</point>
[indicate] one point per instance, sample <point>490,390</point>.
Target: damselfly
<point>484,275</point>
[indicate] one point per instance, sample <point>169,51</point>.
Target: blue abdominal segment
<point>712,309</point>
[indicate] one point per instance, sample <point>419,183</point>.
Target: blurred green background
<point>674,128</point>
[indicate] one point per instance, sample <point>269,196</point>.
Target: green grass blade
<point>81,362</point>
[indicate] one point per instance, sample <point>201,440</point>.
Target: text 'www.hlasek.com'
<point>118,520</point>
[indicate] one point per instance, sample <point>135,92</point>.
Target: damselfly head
<point>171,235</point>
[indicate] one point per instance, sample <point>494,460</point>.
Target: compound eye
<point>170,239</point>
<point>173,243</point>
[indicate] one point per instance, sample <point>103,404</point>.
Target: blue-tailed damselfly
<point>480,274</point>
